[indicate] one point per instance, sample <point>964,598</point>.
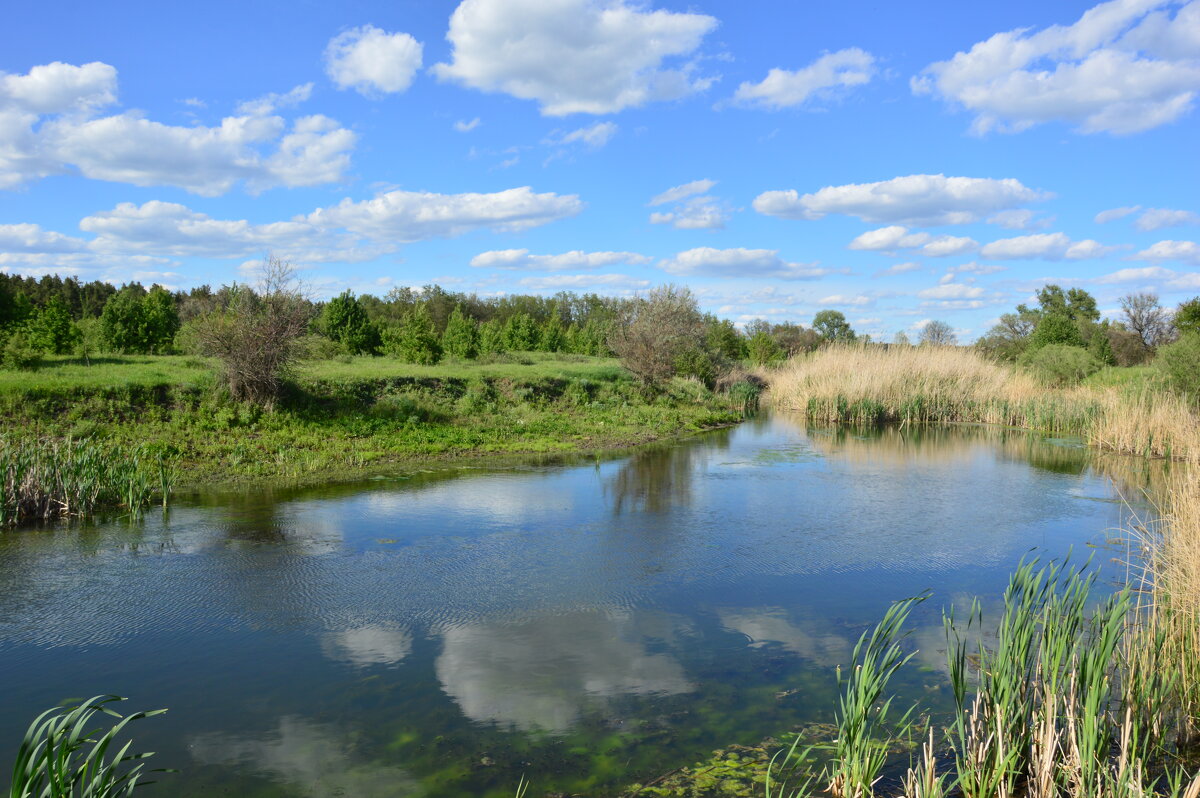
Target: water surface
<point>586,624</point>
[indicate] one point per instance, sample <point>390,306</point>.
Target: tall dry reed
<point>921,385</point>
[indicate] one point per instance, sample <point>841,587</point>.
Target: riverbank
<point>921,385</point>
<point>349,416</point>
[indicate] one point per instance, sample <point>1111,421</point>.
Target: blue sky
<point>898,162</point>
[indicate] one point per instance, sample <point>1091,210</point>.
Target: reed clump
<point>921,385</point>
<point>44,479</point>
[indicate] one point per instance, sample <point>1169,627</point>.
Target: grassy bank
<point>919,385</point>
<point>338,417</point>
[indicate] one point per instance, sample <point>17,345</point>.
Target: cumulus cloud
<point>1112,214</point>
<point>372,61</point>
<point>697,213</point>
<point>574,56</point>
<point>951,291</point>
<point>406,216</point>
<point>521,259</point>
<point>1125,66</point>
<point>677,193</point>
<point>1158,218</point>
<point>1137,275</point>
<point>31,238</point>
<point>822,78</point>
<point>49,124</point>
<point>899,268</point>
<point>1022,219</point>
<point>852,300</point>
<point>896,237</point>
<point>914,199</point>
<point>1047,246</point>
<point>1182,251</point>
<point>739,262</point>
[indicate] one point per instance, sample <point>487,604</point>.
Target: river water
<point>584,624</point>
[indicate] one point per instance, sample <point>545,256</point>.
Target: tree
<point>257,335</point>
<point>1187,316</point>
<point>794,339</point>
<point>491,337</point>
<point>345,320</point>
<point>722,338</point>
<point>831,325</point>
<point>160,320</point>
<point>901,339</point>
<point>521,333</point>
<point>122,320</point>
<point>414,340</point>
<point>937,333</point>
<point>655,331</point>
<point>1055,328</point>
<point>461,338</point>
<point>51,328</point>
<point>763,349</point>
<point>1145,317</point>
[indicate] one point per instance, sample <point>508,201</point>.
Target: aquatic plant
<point>42,479</point>
<point>64,754</point>
<point>924,385</point>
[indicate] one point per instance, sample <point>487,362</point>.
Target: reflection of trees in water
<point>313,759</point>
<point>657,478</point>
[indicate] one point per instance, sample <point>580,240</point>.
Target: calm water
<point>586,624</point>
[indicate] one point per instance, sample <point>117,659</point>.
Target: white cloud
<point>1125,66</point>
<point>1023,219</point>
<point>1047,246</point>
<point>574,56</point>
<point>944,246</point>
<point>914,199</point>
<point>951,291</point>
<point>1137,275</point>
<point>32,238</point>
<point>678,193</point>
<point>1182,251</point>
<point>739,262</point>
<point>782,88</point>
<point>896,237</point>
<point>594,136</point>
<point>48,123</point>
<point>466,126</point>
<point>406,216</point>
<point>975,268</point>
<point>576,282</point>
<point>853,300</point>
<point>698,213</point>
<point>1112,214</point>
<point>1158,218</point>
<point>899,268</point>
<point>372,61</point>
<point>270,103</point>
<point>576,259</point>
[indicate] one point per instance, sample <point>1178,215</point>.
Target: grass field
<point>340,417</point>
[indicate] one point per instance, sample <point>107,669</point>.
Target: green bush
<point>1179,363</point>
<point>18,351</point>
<point>1059,364</point>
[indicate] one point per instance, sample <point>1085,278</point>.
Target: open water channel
<point>584,624</point>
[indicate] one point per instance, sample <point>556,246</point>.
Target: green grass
<point>1123,377</point>
<point>341,417</point>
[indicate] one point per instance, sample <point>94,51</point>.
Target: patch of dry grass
<point>920,385</point>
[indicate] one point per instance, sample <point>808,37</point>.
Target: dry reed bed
<point>919,385</point>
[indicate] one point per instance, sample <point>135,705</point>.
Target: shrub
<point>257,338</point>
<point>413,340</point>
<point>1179,363</point>
<point>51,328</point>
<point>345,320</point>
<point>655,331</point>
<point>137,321</point>
<point>1059,364</point>
<point>18,351</point>
<point>461,337</point>
<point>1055,329</point>
<point>763,349</point>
